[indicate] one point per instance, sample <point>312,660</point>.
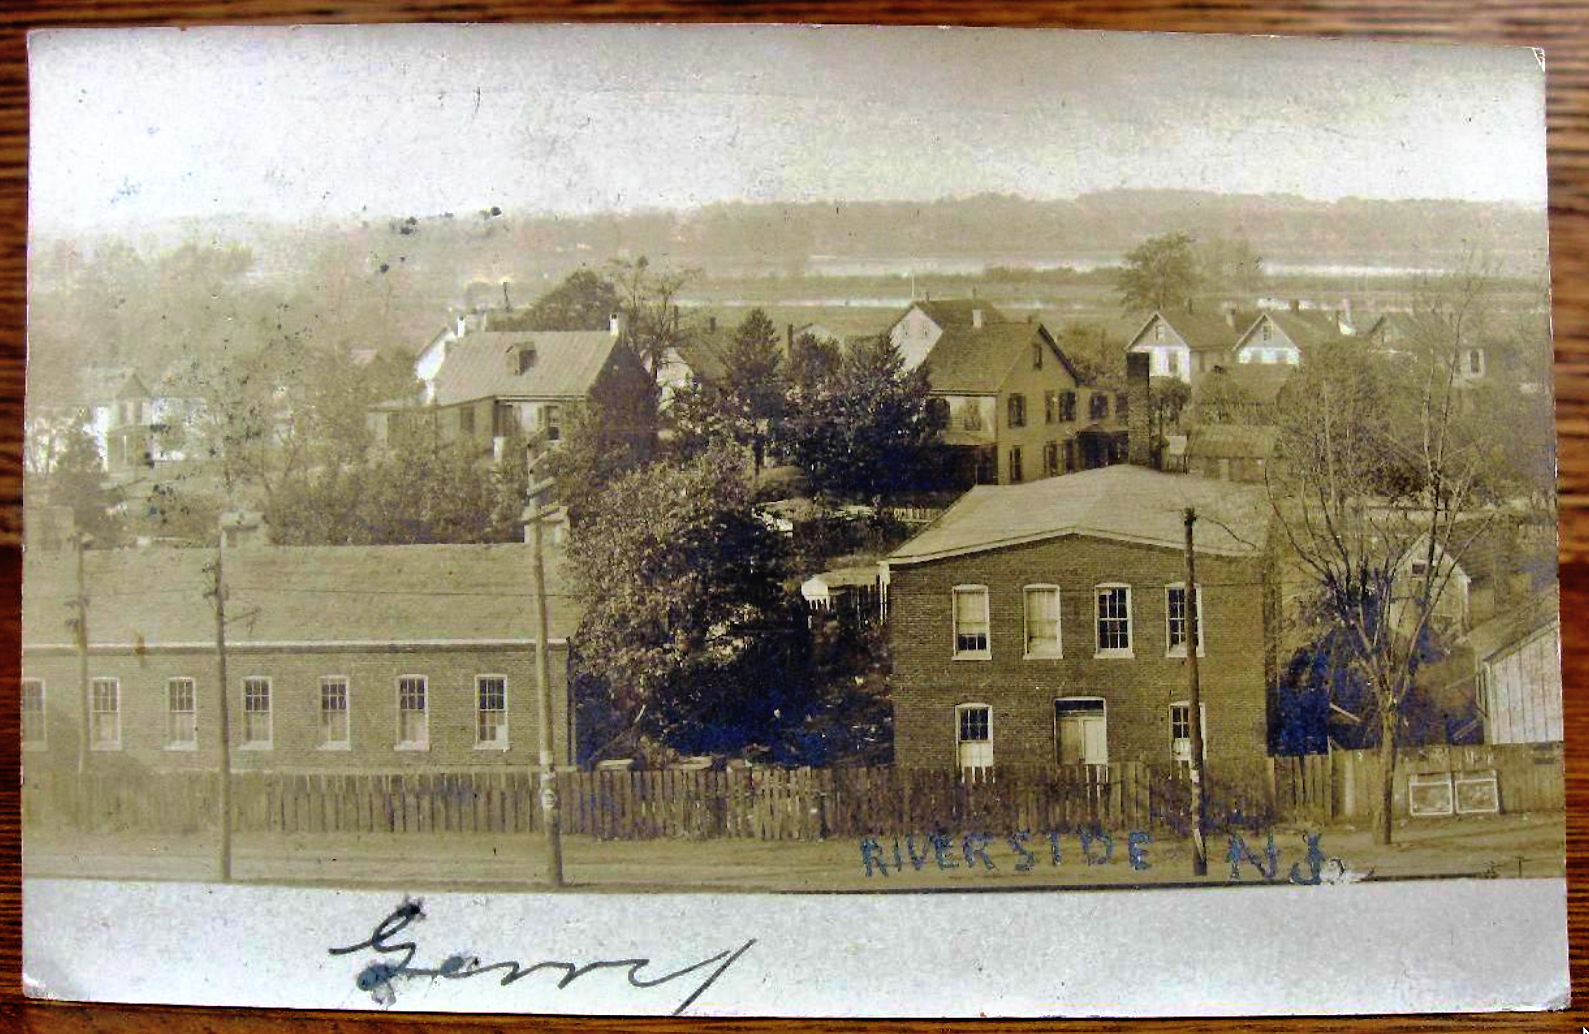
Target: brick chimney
<point>615,325</point>
<point>1139,447</point>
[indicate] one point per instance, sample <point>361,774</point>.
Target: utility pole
<point>81,639</point>
<point>218,592</point>
<point>550,815</point>
<point>1194,693</point>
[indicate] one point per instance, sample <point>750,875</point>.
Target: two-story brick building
<point>1047,623</point>
<point>383,658</point>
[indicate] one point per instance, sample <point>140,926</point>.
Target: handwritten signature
<point>379,978</point>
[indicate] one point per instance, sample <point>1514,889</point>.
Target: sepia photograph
<point>640,519</point>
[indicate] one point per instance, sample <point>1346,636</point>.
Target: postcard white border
<point>1420,946</point>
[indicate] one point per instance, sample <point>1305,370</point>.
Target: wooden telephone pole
<point>550,813</point>
<point>1194,694</point>
<point>218,592</point>
<point>81,639</point>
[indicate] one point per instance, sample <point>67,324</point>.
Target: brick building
<point>1045,623</point>
<point>346,659</point>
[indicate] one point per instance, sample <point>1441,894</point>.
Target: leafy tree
<point>1229,266</point>
<point>77,479</point>
<point>585,300</point>
<point>1167,396</point>
<point>649,298</point>
<point>685,614</point>
<point>1159,274</point>
<point>863,434</point>
<point>753,391</point>
<point>595,451</point>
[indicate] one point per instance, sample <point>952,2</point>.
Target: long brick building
<point>1044,623</point>
<point>346,659</point>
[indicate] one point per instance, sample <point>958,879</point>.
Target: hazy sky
<point>129,127</point>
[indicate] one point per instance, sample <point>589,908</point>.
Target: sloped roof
<point>1306,327</point>
<point>967,361</point>
<point>100,384</point>
<point>706,354</point>
<point>566,366</point>
<point>1515,624</point>
<point>285,594</point>
<point>1201,331</point>
<point>1259,382</point>
<point>1231,441</point>
<point>949,313</point>
<point>1119,502</point>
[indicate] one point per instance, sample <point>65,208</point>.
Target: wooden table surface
<point>1561,28</point>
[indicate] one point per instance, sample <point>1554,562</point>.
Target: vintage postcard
<point>790,521</point>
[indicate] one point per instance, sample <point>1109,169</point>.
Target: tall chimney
<point>788,332</point>
<point>615,325</point>
<point>711,324</point>
<point>1139,448</point>
<point>976,319</point>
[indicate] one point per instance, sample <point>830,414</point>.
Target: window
<point>1051,459</point>
<point>1070,454</point>
<point>1158,330</point>
<point>971,416</point>
<point>971,622</point>
<point>256,713</point>
<point>974,736</point>
<point>1067,406</point>
<point>1172,363</point>
<point>1122,405</point>
<point>526,358</point>
<point>938,412</point>
<point>1042,620</point>
<point>1266,331</point>
<point>1037,355</point>
<point>1181,732</point>
<point>1114,620</point>
<point>466,419</point>
<point>1475,361</point>
<point>413,719</point>
<point>104,725</point>
<point>33,723</point>
<point>504,420</point>
<point>1175,620</point>
<point>1050,406</point>
<point>1015,464</point>
<point>1081,733</point>
<point>491,712</point>
<point>1098,406</point>
<point>182,717</point>
<point>552,422</point>
<point>1017,410</point>
<point>335,733</point>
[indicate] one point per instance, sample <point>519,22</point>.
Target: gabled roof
<point>1305,327</point>
<point>1515,624</point>
<point>566,366</point>
<point>949,313</point>
<point>1231,441</point>
<point>706,354</point>
<point>100,384</point>
<point>1121,502</point>
<point>283,594</point>
<point>967,361</point>
<point>1259,382</point>
<point>1202,331</point>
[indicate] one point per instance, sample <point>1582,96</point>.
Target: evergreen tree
<point>755,387</point>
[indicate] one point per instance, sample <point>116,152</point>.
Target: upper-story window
<point>257,719</point>
<point>1113,612</point>
<point>105,716</point>
<point>182,714</point>
<point>1158,330</point>
<point>971,416</point>
<point>1475,361</point>
<point>1017,411</point>
<point>1176,619</point>
<point>34,730</point>
<point>1042,620</point>
<point>1037,355</point>
<point>1067,406</point>
<point>971,622</point>
<point>1265,332</point>
<point>1098,406</point>
<point>527,358</point>
<point>1050,406</point>
<point>1172,363</point>
<point>552,422</point>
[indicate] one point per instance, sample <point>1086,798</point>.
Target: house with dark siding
<point>339,659</point>
<point>1047,623</point>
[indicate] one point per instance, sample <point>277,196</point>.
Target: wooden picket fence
<point>1343,784</point>
<point>769,803</point>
